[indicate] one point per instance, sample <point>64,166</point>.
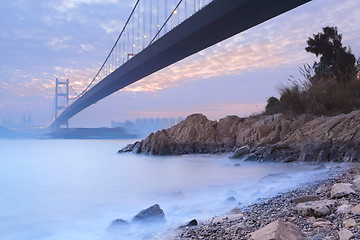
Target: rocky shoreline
<point>327,209</point>
<point>276,137</point>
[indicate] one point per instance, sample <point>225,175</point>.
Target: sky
<point>69,39</point>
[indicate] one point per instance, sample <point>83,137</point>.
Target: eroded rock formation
<point>272,138</point>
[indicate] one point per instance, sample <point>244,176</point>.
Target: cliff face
<point>273,138</point>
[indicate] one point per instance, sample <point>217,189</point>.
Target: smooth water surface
<point>74,189</point>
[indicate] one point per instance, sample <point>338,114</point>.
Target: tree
<point>336,61</point>
<point>273,106</point>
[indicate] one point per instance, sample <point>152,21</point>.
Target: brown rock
<point>240,152</point>
<point>305,198</point>
<point>356,210</point>
<point>343,209</point>
<point>349,223</point>
<point>278,231</point>
<point>321,223</point>
<point>356,184</point>
<point>322,189</point>
<point>345,234</point>
<point>340,190</point>
<point>316,208</point>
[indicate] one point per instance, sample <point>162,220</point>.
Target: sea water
<point>74,189</point>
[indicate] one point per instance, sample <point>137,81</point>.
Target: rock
<point>322,189</point>
<point>230,200</point>
<point>240,152</point>
<point>271,138</point>
<point>340,190</point>
<point>153,213</point>
<point>305,198</point>
<point>349,223</point>
<point>343,209</point>
<point>118,224</point>
<point>278,231</point>
<point>275,176</point>
<point>356,184</point>
<point>345,234</point>
<point>235,210</point>
<point>192,223</point>
<point>319,236</point>
<point>321,223</point>
<point>356,210</point>
<point>316,208</point>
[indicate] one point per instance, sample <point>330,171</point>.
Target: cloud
<point>86,47</point>
<point>66,5</point>
<point>58,43</point>
<point>112,26</point>
<point>278,42</point>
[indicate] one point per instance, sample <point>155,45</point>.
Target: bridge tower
<point>61,91</point>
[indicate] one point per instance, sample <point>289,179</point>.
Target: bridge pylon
<point>61,91</point>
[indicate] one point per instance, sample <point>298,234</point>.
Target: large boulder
<point>151,214</point>
<point>340,190</point>
<point>316,208</point>
<point>278,231</point>
<point>240,152</point>
<point>345,234</point>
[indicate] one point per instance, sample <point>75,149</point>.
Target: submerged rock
<point>275,176</point>
<point>118,224</point>
<point>192,223</point>
<point>153,213</point>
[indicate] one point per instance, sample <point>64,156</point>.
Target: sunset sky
<point>48,39</point>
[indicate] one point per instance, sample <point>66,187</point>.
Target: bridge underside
<point>216,22</point>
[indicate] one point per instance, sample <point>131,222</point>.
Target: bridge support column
<point>62,91</point>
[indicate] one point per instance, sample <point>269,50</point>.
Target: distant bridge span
<point>216,22</point>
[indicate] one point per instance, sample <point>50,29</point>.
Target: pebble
<point>280,208</point>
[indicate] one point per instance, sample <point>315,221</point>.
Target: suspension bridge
<point>159,33</point>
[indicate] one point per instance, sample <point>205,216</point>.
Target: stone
<point>316,208</point>
<point>322,189</point>
<point>321,223</point>
<point>349,223</point>
<point>236,216</point>
<point>118,224</point>
<point>230,200</point>
<point>319,236</point>
<point>235,210</point>
<point>356,184</point>
<point>240,152</point>
<point>192,223</point>
<point>345,234</point>
<point>340,190</point>
<point>275,177</point>
<point>305,198</point>
<point>343,209</point>
<point>153,213</point>
<point>356,210</point>
<point>278,231</point>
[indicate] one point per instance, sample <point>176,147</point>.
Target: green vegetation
<point>329,87</point>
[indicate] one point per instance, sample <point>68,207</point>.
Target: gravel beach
<point>324,209</point>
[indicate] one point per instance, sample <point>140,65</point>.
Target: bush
<point>329,87</point>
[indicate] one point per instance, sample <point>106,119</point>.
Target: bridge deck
<point>214,23</point>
